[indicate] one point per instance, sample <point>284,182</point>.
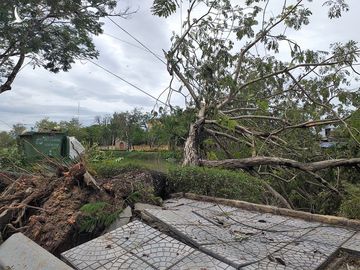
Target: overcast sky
<point>37,93</point>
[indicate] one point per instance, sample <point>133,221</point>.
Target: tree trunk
<point>191,148</point>
<point>7,85</point>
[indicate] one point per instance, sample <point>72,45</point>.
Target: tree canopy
<point>51,34</point>
<point>259,95</point>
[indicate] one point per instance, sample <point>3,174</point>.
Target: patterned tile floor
<point>251,240</point>
<point>138,246</point>
<point>223,238</point>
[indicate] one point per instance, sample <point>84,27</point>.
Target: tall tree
<point>230,58</point>
<point>52,34</point>
<point>46,124</point>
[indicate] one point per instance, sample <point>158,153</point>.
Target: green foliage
<point>17,130</point>
<point>227,122</point>
<point>110,168</point>
<point>143,193</point>
<point>350,205</point>
<point>163,8</point>
<point>97,216</point>
<point>6,140</point>
<point>10,158</point>
<point>216,182</point>
<point>52,33</point>
<point>45,124</point>
<point>112,163</point>
<point>170,128</point>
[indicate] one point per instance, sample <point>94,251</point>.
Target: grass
<point>111,163</point>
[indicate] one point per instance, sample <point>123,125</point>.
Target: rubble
<point>20,253</point>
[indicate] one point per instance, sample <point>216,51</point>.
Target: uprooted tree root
<point>47,209</point>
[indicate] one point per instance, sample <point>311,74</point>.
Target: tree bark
<point>7,85</point>
<point>191,148</point>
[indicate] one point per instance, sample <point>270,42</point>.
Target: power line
<point>142,44</point>
<point>126,81</point>
<point>129,43</point>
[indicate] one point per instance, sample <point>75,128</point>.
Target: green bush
<point>110,168</point>
<point>350,204</point>
<point>96,216</point>
<point>10,158</point>
<point>216,182</point>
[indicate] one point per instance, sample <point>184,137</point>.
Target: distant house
<point>121,145</point>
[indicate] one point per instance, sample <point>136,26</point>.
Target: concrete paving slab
<point>329,235</point>
<point>241,230</point>
<point>222,237</point>
<point>258,224</point>
<point>127,261</point>
<point>240,215</point>
<point>266,264</point>
<point>133,235</point>
<point>203,234</point>
<point>137,246</point>
<point>93,254</point>
<point>276,219</point>
<point>353,244</point>
<point>229,254</point>
<point>300,223</point>
<point>243,252</point>
<point>162,251</point>
<point>177,202</point>
<point>140,207</point>
<point>178,217</point>
<point>200,261</point>
<point>290,231</point>
<point>20,253</point>
<point>305,254</point>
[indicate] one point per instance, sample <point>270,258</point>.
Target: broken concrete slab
<point>20,253</point>
<point>140,207</point>
<point>123,219</point>
<point>138,246</point>
<point>240,237</point>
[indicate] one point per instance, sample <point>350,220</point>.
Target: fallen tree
<point>248,163</point>
<point>250,101</point>
<point>46,205</point>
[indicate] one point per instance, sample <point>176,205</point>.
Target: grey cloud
<point>38,93</point>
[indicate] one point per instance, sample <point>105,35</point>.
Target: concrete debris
<point>140,207</point>
<point>20,253</point>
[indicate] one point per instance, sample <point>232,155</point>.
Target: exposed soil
<point>47,208</point>
<point>344,261</point>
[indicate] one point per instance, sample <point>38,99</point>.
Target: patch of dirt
<point>47,209</point>
<point>344,261</point>
<point>352,263</point>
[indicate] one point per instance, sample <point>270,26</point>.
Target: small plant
<point>143,193</point>
<point>97,216</point>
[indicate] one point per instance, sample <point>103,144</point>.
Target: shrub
<point>350,205</point>
<point>96,216</point>
<point>216,182</point>
<point>10,158</point>
<point>110,168</point>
